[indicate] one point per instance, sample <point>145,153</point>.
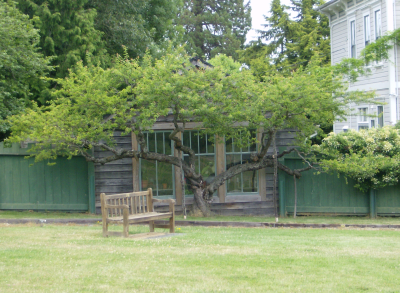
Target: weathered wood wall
<point>116,177</point>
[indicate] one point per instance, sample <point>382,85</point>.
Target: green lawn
<point>301,219</point>
<point>72,258</point>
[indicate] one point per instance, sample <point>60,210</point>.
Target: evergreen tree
<point>66,32</point>
<point>136,24</point>
<point>293,33</point>
<point>215,26</point>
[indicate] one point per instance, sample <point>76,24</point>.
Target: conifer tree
<point>293,33</point>
<point>66,32</point>
<point>136,24</point>
<point>215,26</point>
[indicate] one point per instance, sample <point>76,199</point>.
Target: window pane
<point>228,145</point>
<point>210,147</point>
<point>378,28</point>
<point>203,144</point>
<point>148,175</point>
<point>207,168</point>
<point>186,138</point>
<point>160,142</point>
<point>234,184</point>
<point>195,141</point>
<point>167,143</point>
<point>250,180</point>
<point>151,142</point>
<point>367,29</point>
<point>353,38</point>
<point>380,116</point>
<point>165,180</point>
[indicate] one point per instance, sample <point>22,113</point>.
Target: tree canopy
<point>225,101</point>
<point>215,26</point>
<point>21,63</point>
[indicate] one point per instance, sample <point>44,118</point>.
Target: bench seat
<point>132,208</point>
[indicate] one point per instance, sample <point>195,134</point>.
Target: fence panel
<point>24,185</point>
<point>323,193</point>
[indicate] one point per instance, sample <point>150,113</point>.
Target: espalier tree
<point>227,102</point>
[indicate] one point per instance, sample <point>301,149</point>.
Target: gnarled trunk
<point>200,206</point>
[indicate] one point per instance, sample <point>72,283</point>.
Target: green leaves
<point>21,65</point>
<point>371,157</point>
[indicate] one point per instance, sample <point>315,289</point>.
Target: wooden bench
<point>132,208</point>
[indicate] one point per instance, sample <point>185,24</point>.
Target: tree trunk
<point>200,206</point>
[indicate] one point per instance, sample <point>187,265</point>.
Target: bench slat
<point>145,217</point>
<point>131,194</point>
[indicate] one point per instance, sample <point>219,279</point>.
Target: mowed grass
<point>72,258</point>
<point>362,220</point>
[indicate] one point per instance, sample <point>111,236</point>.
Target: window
<point>205,155</point>
<point>246,182</point>
<point>362,127</point>
<point>353,39</point>
<point>378,25</point>
<point>380,116</point>
<point>372,123</point>
<point>362,114</point>
<point>367,30</point>
<point>157,175</point>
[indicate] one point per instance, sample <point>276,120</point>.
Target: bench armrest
<point>170,201</point>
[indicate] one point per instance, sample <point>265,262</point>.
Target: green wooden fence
<point>67,185</point>
<point>327,193</point>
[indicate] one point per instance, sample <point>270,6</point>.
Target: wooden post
<point>178,184</point>
<point>135,164</point>
<point>372,203</point>
<point>262,175</point>
<point>220,158</point>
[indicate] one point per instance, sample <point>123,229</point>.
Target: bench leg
<point>105,228</point>
<point>151,226</point>
<point>172,224</point>
<point>126,222</point>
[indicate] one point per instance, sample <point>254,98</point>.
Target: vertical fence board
<point>64,186</point>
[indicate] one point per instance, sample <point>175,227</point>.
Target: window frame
<point>376,23</point>
<point>234,152</point>
<point>367,28</point>
<point>156,190</point>
<point>198,154</point>
<point>352,37</point>
<point>381,121</point>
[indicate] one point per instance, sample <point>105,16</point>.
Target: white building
<point>354,24</point>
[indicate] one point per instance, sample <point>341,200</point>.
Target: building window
<point>353,39</point>
<point>154,174</point>
<point>246,182</point>
<point>380,116</point>
<point>378,25</point>
<point>362,127</point>
<point>372,123</point>
<point>367,30</point>
<point>205,155</point>
<point>362,114</point>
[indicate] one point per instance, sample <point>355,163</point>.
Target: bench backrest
<point>138,202</point>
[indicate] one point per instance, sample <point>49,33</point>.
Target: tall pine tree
<point>215,26</point>
<point>136,24</point>
<point>294,33</point>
